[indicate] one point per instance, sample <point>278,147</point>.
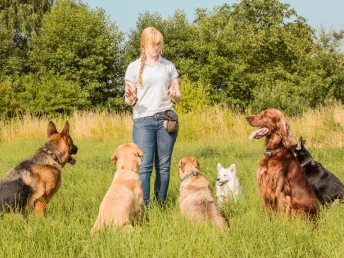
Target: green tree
<point>240,49</point>
<point>20,20</point>
<point>83,46</point>
<point>47,93</point>
<point>252,45</point>
<point>328,61</point>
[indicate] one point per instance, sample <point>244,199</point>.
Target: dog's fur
<point>227,185</point>
<point>195,200</point>
<point>124,200</point>
<point>282,184</point>
<point>33,182</point>
<point>326,186</point>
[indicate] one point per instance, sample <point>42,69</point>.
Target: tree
<point>238,49</point>
<point>48,93</point>
<point>83,46</point>
<point>20,21</point>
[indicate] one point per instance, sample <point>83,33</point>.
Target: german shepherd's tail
<point>14,195</point>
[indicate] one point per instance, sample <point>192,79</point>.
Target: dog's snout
<point>74,149</point>
<point>248,118</point>
<point>217,179</point>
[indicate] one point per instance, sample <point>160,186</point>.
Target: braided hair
<point>149,36</point>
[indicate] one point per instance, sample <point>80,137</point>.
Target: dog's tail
<point>215,215</point>
<point>14,195</point>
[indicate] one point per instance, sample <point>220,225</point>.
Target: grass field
<point>213,136</point>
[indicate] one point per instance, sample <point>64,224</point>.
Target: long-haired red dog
<point>282,184</point>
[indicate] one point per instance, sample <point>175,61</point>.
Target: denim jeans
<point>157,146</point>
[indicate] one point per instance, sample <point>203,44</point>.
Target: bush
<point>6,101</point>
<point>46,93</point>
<point>195,96</point>
<point>282,96</point>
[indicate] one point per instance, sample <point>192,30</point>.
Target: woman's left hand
<point>171,93</point>
<point>174,91</point>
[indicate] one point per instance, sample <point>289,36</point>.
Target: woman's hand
<point>174,91</point>
<point>130,93</point>
<point>171,92</point>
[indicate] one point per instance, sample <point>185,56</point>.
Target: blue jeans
<point>156,144</point>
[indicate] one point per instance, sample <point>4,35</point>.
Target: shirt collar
<point>157,63</point>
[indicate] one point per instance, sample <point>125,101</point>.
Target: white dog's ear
<point>219,167</point>
<point>232,168</point>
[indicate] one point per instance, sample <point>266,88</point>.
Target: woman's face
<point>153,50</point>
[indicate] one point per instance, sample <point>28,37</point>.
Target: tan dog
<point>195,200</point>
<point>123,201</point>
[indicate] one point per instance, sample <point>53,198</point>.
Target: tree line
<point>60,56</point>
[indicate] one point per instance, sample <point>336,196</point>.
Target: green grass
<point>164,232</point>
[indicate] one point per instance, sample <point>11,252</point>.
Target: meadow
<point>212,135</point>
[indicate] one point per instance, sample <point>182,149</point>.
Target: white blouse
<point>152,94</point>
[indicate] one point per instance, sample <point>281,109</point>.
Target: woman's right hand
<point>130,92</point>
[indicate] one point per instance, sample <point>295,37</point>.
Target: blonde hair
<point>149,36</point>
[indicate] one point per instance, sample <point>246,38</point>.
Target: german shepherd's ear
<point>65,130</point>
<point>51,129</point>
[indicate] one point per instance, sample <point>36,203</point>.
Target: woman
<point>151,87</point>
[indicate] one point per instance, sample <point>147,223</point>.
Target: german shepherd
<point>31,184</point>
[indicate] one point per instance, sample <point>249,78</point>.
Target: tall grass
<point>322,127</point>
<point>215,135</point>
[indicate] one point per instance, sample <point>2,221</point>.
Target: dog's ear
<point>181,165</point>
<point>197,162</point>
<point>285,132</point>
<point>65,130</point>
<point>299,144</point>
<point>303,142</point>
<point>51,129</point>
<point>219,166</point>
<point>139,153</point>
<point>232,169</point>
<point>114,158</point>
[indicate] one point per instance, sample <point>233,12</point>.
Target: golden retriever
<point>124,199</point>
<point>195,200</point>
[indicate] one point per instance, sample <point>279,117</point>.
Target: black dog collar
<point>306,162</point>
<point>54,156</point>
<point>195,173</point>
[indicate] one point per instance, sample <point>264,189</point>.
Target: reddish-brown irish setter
<point>282,184</point>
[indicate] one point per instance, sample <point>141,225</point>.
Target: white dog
<point>227,185</point>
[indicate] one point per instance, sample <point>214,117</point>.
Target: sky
<point>326,13</point>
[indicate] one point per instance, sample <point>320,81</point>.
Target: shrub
<point>195,96</point>
<point>46,93</point>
